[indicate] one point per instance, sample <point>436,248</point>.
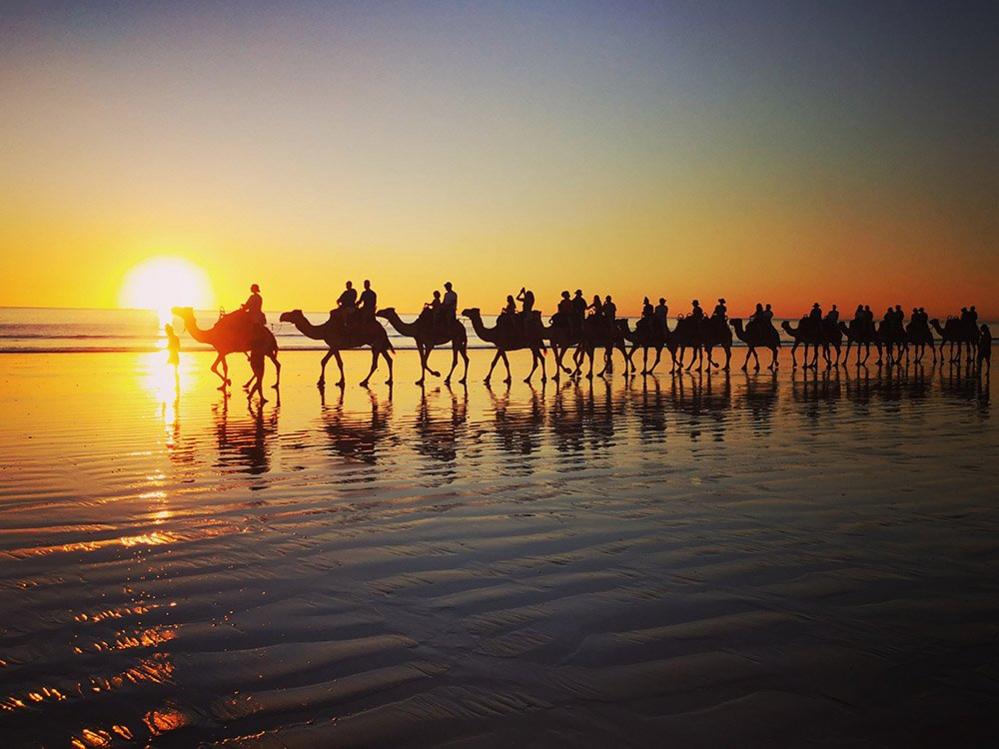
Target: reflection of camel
<point>428,335</point>
<point>518,427</point>
<point>439,437</point>
<point>758,335</point>
<point>243,444</point>
<point>353,435</point>
<point>231,334</point>
<point>510,338</point>
<point>360,332</point>
<point>957,333</point>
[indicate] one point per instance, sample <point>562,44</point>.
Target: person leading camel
<point>984,349</point>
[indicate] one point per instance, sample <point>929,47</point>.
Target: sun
<point>164,282</point>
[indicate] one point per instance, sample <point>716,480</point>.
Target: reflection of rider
<point>253,306</point>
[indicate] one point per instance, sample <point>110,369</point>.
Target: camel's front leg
<point>464,355</point>
<point>492,366</point>
<point>277,367</point>
<point>454,363</point>
<point>339,363</point>
<point>374,366</point>
<point>534,365</point>
<point>506,363</point>
<point>322,368</point>
<point>794,355</point>
<point>426,361</point>
<point>388,360</point>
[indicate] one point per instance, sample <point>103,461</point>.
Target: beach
<point>694,560</point>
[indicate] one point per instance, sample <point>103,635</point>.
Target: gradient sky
<point>784,152</point>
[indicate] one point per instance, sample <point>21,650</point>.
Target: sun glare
<point>164,282</point>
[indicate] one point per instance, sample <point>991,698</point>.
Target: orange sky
<point>660,152</point>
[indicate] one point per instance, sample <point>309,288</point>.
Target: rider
<point>610,311</point>
<point>696,312</point>
<point>253,306</point>
<point>661,312</point>
<point>832,316</point>
<point>816,313</point>
<point>565,311</point>
<point>369,301</point>
<point>597,308</point>
<point>449,305</point>
<point>434,304</point>
<point>721,311</point>
<point>508,314</point>
<point>647,310</point>
<point>347,302</point>
<point>526,297</point>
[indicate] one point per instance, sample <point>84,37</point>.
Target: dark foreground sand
<point>706,560</point>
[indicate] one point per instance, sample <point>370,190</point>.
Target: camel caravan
<point>579,329</point>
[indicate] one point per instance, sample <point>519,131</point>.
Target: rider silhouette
<point>254,305</point>
<point>369,301</point>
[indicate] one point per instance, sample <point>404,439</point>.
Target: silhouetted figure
<point>526,298</point>
<point>227,338</point>
<point>816,314</point>
<point>984,348</point>
<point>254,306</point>
<point>662,314</point>
<point>449,304</point>
<point>721,311</point>
<point>369,301</point>
<point>597,308</point>
<point>695,311</point>
<point>579,306</point>
<point>257,362</point>
<point>832,317</point>
<point>434,305</point>
<point>768,315</point>
<point>647,309</point>
<point>564,316</point>
<point>346,305</point>
<point>173,345</point>
<point>973,316</point>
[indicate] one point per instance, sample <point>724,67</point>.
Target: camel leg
<point>454,363</point>
<point>773,361</point>
<point>506,363</point>
<point>544,370</point>
<point>659,356</point>
<point>215,368</point>
<point>534,366</point>
<point>426,361</point>
<point>374,366</point>
<point>322,368</point>
<point>277,367</point>
<point>492,366</point>
<point>339,363</point>
<point>728,358</point>
<point>794,355</point>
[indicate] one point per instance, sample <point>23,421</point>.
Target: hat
<point>721,301</point>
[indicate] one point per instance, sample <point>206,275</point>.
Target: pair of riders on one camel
<point>441,310</point>
<point>654,318</point>
<point>351,309</point>
<point>523,321</point>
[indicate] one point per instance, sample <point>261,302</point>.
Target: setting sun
<point>164,282</point>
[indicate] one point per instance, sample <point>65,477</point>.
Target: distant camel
<point>717,334</point>
<point>891,340</point>
<point>646,335</point>
<point>758,335</point>
<point>918,335</point>
<point>229,335</point>
<point>809,333</point>
<point>358,333</point>
<point>428,335</point>
<point>597,334</point>
<point>510,339</point>
<point>861,333</point>
<point>956,332</point>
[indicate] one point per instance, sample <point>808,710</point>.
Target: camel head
<point>292,316</point>
<point>385,312</point>
<point>736,322</point>
<point>184,313</point>
<point>471,312</point>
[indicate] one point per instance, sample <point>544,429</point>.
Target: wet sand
<point>694,561</point>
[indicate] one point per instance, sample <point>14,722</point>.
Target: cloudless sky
<point>777,151</point>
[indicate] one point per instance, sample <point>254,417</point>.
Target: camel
<point>858,332</point>
<point>561,338</point>
<point>758,335</point>
<point>427,336</point>
<point>817,333</point>
<point>338,336</point>
<point>646,335</point>
<point>956,332</point>
<point>919,336</point>
<point>229,335</point>
<point>597,334</point>
<point>510,339</point>
<point>888,338</point>
<point>702,336</point>
<point>717,334</point>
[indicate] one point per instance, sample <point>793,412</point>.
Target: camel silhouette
<point>232,334</point>
<point>361,332</point>
<point>816,333</point>
<point>428,335</point>
<point>861,333</point>
<point>596,334</point>
<point>647,336</point>
<point>756,336</point>
<point>702,336</point>
<point>956,333</point>
<point>510,338</point>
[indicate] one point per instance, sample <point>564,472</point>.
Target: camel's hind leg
<point>322,368</point>
<point>388,360</point>
<point>374,366</point>
<point>277,367</point>
<point>506,363</point>
<point>339,363</point>
<point>215,368</point>
<point>454,363</point>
